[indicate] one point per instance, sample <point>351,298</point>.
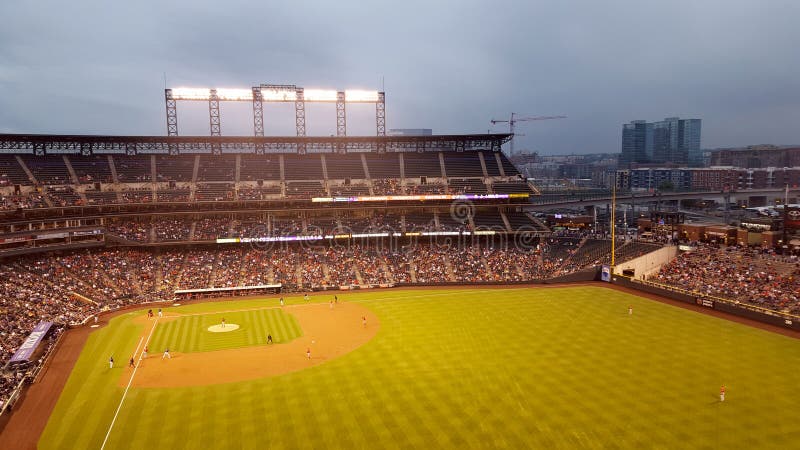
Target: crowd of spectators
<point>210,228</point>
<point>31,200</point>
<point>753,276</point>
<point>386,186</point>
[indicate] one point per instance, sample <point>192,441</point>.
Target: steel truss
<point>42,145</point>
<point>257,98</point>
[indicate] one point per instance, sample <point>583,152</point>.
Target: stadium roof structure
<point>44,144</point>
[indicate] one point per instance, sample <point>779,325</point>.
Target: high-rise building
<point>671,140</point>
<point>637,142</point>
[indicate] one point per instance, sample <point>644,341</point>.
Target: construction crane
<point>513,120</point>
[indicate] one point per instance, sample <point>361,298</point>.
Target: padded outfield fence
<point>740,309</point>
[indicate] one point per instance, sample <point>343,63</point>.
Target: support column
<point>172,113</point>
<point>300,118</point>
<point>213,113</point>
<point>341,115</point>
<point>380,114</point>
<point>258,112</point>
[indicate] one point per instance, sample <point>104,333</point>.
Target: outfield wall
<point>648,263</point>
<point>726,306</point>
<point>591,274</point>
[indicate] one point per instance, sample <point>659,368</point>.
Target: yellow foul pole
<point>613,220</point>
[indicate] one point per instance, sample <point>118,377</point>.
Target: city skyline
<point>448,66</point>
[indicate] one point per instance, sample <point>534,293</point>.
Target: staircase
<point>451,274</point>
<point>488,269</point>
<point>192,230</point>
<point>359,278</point>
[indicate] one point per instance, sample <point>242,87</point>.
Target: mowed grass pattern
<point>190,333</point>
<point>517,368</point>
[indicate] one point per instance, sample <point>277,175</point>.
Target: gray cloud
<point>96,67</point>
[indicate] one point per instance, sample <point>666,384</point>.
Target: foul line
<point>124,394</point>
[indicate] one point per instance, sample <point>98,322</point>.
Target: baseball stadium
<point>387,291</point>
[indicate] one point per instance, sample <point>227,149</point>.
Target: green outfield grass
<point>182,335</point>
<point>512,368</point>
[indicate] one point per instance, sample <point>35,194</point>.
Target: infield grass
<point>185,333</point>
<point>504,368</point>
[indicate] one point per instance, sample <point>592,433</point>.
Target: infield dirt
<point>328,333</point>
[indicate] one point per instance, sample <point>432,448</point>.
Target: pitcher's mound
<point>220,329</point>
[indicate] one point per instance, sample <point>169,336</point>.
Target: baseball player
<point>269,339</point>
<point>308,352</point>
<point>111,362</point>
<point>144,353</point>
<point>160,313</point>
<point>305,297</point>
<point>630,310</point>
<point>131,363</point>
<point>281,301</point>
<point>722,393</point>
<point>166,354</point>
<point>223,323</point>
<point>364,321</point>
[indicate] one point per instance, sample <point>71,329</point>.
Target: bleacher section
<point>216,168</point>
<point>47,169</point>
<point>383,166</point>
<point>173,195</point>
<point>510,187</point>
<point>349,190</point>
<point>421,165</point>
<point>174,168</point>
<point>345,166</point>
<point>463,164</point>
<point>260,167</point>
<point>491,165</point>
<point>259,193</point>
<point>91,169</point>
<point>210,192</point>
<point>11,172</point>
<point>63,196</point>
<point>207,178</point>
<point>467,186</point>
<point>100,197</point>
<point>489,221</point>
<point>305,189</point>
<point>302,167</point>
<point>134,169</point>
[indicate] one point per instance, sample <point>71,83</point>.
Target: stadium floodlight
<point>359,96</point>
<point>278,94</point>
<point>319,95</point>
<point>235,94</point>
<point>186,93</point>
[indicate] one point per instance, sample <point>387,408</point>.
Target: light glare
<point>319,95</point>
<point>278,95</point>
<point>185,93</point>
<point>235,94</point>
<point>361,96</point>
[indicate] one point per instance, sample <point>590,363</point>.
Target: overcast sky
<point>97,67</point>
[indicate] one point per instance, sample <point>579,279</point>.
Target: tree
<point>666,186</point>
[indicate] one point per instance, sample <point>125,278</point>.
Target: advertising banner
<point>34,339</point>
